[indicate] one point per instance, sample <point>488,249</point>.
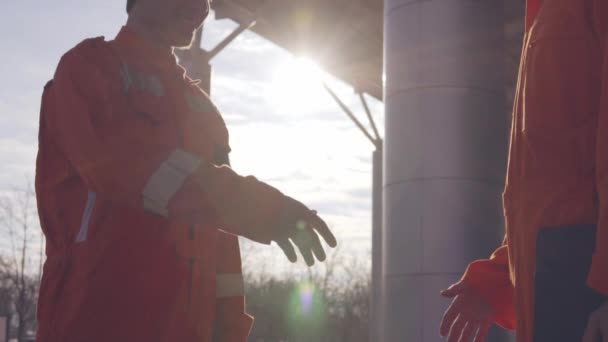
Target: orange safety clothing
<point>558,160</point>
<point>131,205</point>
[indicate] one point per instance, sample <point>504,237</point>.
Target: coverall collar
<point>143,50</point>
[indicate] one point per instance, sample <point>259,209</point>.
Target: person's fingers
<point>482,332</point>
<point>316,246</point>
<point>457,328</point>
<point>592,331</point>
<point>454,290</point>
<point>298,212</point>
<point>321,227</point>
<point>307,255</point>
<point>303,241</point>
<point>448,318</point>
<point>469,330</point>
<point>288,249</point>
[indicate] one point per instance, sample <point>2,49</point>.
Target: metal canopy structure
<point>345,37</point>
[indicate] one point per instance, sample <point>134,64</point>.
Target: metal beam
<point>369,115</point>
<point>232,36</point>
<point>349,113</point>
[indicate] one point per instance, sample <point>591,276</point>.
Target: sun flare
<point>297,86</point>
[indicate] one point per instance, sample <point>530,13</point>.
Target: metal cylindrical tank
<point>445,154</point>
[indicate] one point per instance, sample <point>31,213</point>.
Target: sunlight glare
<point>297,86</point>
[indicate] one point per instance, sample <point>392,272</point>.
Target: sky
<point>285,129</point>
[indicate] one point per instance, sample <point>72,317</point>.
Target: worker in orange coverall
<point>136,200</point>
<point>549,280</point>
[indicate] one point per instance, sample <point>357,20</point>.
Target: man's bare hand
<point>299,226</point>
<point>597,326</point>
<point>468,317</point>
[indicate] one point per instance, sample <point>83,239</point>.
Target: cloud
<point>18,160</point>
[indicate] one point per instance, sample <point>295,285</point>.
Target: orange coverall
<point>134,252</point>
<point>558,160</point>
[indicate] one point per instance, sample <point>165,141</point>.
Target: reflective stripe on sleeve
<point>167,180</point>
<point>83,233</point>
<point>230,285</point>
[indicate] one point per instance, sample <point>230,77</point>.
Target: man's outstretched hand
<point>468,317</point>
<point>299,226</point>
<point>255,210</point>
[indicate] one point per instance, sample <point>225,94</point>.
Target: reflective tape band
<point>83,233</point>
<point>156,208</point>
<point>230,285</point>
<point>167,181</point>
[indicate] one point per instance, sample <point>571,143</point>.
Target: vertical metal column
<point>375,319</point>
<point>445,154</point>
<point>376,285</point>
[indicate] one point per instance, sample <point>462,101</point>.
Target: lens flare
<point>307,315</point>
<point>306,294</point>
<point>301,224</point>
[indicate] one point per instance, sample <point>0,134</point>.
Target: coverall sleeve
<point>598,276</point>
<point>491,279</point>
<point>112,162</point>
<point>162,179</point>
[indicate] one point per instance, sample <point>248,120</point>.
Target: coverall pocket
<point>147,119</point>
<point>561,58</point>
<point>550,60</point>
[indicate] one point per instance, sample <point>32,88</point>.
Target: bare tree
<point>6,289</point>
<point>325,303</point>
<point>20,266</point>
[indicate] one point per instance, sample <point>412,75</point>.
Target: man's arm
<point>490,278</point>
<point>116,164</point>
<point>113,163</point>
<point>161,179</point>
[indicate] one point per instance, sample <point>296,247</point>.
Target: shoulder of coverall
<point>91,50</point>
<point>87,67</point>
